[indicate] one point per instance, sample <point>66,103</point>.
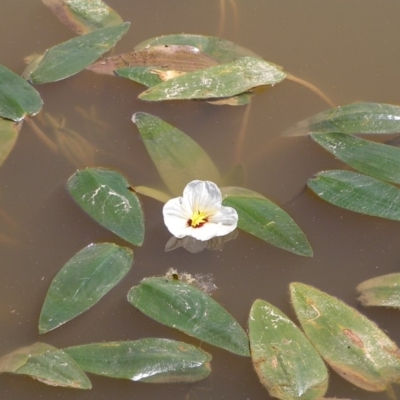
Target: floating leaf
<point>83,16</point>
<point>215,47</point>
<point>17,97</point>
<point>265,220</point>
<point>188,309</point>
<point>378,160</point>
<point>349,342</point>
<point>223,80</point>
<point>351,119</point>
<point>105,196</point>
<point>68,58</point>
<point>357,192</point>
<point>142,75</point>
<point>46,364</point>
<point>177,157</point>
<point>153,193</point>
<point>381,291</point>
<point>285,361</point>
<point>182,58</point>
<point>146,360</point>
<point>8,136</point>
<point>82,282</point>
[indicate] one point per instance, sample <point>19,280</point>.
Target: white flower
<point>199,212</point>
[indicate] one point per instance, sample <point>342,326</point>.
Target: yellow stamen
<point>199,218</point>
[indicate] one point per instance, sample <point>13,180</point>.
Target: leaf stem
<point>41,135</point>
<point>241,135</point>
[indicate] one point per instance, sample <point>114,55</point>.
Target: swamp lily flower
<point>199,212</point>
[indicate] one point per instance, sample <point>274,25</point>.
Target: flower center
<point>199,218</point>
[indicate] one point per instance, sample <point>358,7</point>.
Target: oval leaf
<point>68,58</point>
<point>17,97</point>
<point>223,80</point>
<point>285,361</point>
<point>381,291</point>
<point>83,16</point>
<point>378,160</point>
<point>46,364</point>
<point>351,119</point>
<point>105,196</point>
<point>357,192</point>
<point>82,282</point>
<point>265,220</point>
<point>8,136</point>
<point>145,360</point>
<point>177,157</point>
<point>188,309</point>
<point>349,342</point>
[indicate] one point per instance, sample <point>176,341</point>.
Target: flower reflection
<point>199,213</point>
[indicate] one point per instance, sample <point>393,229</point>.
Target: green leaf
<point>357,192</point>
<point>46,364</point>
<point>82,282</point>
<point>17,97</point>
<point>143,75</point>
<point>378,160</point>
<point>188,309</point>
<point>223,80</point>
<point>349,342</point>
<point>83,16</point>
<point>177,157</point>
<point>381,291</point>
<point>351,119</point>
<point>215,47</point>
<point>71,57</point>
<point>105,196</point>
<point>8,136</point>
<point>285,361</point>
<point>145,360</point>
<point>152,193</point>
<point>265,220</point>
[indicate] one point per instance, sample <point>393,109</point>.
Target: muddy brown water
<point>348,49</point>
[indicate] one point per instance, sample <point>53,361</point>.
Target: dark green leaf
<point>381,291</point>
<point>82,282</point>
<point>285,361</point>
<point>351,119</point>
<point>188,309</point>
<point>378,160</point>
<point>105,196</point>
<point>83,16</point>
<point>177,157</point>
<point>223,80</point>
<point>357,192</point>
<point>17,97</point>
<point>142,75</point>
<point>264,219</point>
<point>145,360</point>
<point>349,342</point>
<point>8,136</point>
<point>68,58</point>
<point>46,364</point>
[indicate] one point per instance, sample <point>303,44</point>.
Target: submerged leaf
<point>349,342</point>
<point>146,360</point>
<point>188,309</point>
<point>285,361</point>
<point>68,58</point>
<point>182,58</point>
<point>105,196</point>
<point>82,282</point>
<point>17,97</point>
<point>8,136</point>
<point>46,364</point>
<point>351,119</point>
<point>265,220</point>
<point>378,160</point>
<point>83,16</point>
<point>177,157</point>
<point>357,192</point>
<point>381,291</point>
<point>223,80</point>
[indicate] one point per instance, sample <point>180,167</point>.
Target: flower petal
<point>176,217</point>
<point>203,195</point>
